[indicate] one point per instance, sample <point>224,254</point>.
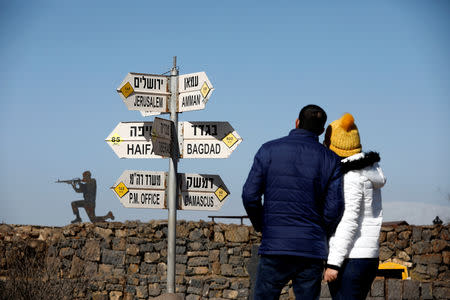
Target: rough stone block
<point>66,252</point>
<point>115,295</point>
<point>427,259</point>
<point>394,289</point>
<point>438,245</point>
<point>385,253</point>
<point>416,234</point>
<point>100,296</point>
<point>237,234</point>
<point>104,233</point>
<point>112,257</point>
<point>230,294</point>
<point>142,291</point>
<point>377,288</point>
<point>119,244</point>
<point>236,260</point>
<point>151,257</point>
<point>197,261</point>
<point>411,289</point>
<point>405,235</point>
<point>180,269</point>
<point>226,269</point>
<point>421,247</point>
<point>441,292</point>
<point>91,250</point>
<point>132,249</point>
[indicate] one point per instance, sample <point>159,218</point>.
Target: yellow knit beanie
<point>342,136</point>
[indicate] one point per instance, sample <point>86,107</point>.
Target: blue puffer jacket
<point>302,185</point>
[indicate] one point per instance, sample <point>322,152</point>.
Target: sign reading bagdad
<point>141,189</point>
<point>208,139</point>
<point>145,92</point>
<point>201,191</point>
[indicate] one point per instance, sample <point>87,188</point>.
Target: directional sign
<point>141,189</point>
<point>194,91</point>
<point>162,132</point>
<point>132,140</point>
<point>201,192</point>
<point>145,92</point>
<point>208,139</point>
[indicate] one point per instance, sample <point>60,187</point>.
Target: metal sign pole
<point>172,188</point>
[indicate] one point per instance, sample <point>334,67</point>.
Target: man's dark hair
<point>312,118</point>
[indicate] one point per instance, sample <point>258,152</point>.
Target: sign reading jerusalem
<point>208,139</point>
<point>194,91</point>
<point>201,191</point>
<point>141,189</point>
<point>145,92</point>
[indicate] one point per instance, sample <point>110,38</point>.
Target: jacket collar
<point>359,161</point>
<point>303,133</point>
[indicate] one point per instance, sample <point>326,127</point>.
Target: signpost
<point>145,92</point>
<point>208,139</point>
<point>141,189</point>
<point>162,135</point>
<point>195,90</point>
<point>202,192</point>
<point>157,94</point>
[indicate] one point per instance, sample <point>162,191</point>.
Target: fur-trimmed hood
<point>367,165</point>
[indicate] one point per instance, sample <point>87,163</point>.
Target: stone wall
<point>214,261</point>
<point>423,249</point>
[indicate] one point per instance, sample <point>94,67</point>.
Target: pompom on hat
<point>342,136</point>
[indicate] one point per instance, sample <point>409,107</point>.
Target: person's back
<point>301,183</point>
<point>297,173</point>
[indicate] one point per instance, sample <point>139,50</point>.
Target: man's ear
<point>297,123</point>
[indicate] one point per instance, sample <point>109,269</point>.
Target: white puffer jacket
<point>359,229</point>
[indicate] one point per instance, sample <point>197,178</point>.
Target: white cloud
<point>415,213</point>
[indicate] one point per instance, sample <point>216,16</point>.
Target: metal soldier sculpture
<point>87,186</point>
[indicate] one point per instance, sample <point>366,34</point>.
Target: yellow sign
<point>221,193</point>
<point>230,140</point>
<point>205,90</point>
<point>395,266</point>
<point>121,190</point>
<point>115,139</point>
<point>127,90</point>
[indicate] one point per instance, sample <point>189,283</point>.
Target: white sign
<point>141,189</point>
<point>162,132</point>
<point>201,191</point>
<point>145,92</point>
<point>208,139</point>
<point>194,91</point>
<point>132,140</point>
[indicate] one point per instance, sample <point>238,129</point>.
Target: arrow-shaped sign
<point>208,139</point>
<point>141,189</point>
<point>202,192</point>
<point>194,91</point>
<point>132,140</point>
<point>145,92</point>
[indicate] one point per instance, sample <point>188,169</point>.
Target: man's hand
<point>330,275</point>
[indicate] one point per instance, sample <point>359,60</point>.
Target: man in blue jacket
<point>302,186</point>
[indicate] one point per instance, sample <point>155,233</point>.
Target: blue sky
<point>386,62</point>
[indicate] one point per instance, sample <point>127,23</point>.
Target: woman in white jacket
<point>354,248</point>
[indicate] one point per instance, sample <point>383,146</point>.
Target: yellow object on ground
<point>394,266</point>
